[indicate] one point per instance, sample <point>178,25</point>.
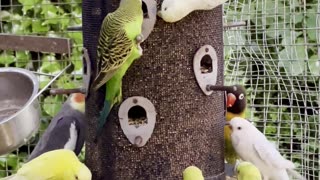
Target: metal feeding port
<point>137,116</point>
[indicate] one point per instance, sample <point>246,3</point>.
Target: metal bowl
<point>19,108</point>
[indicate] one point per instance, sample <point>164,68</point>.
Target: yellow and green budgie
<point>118,47</point>
<point>247,171</point>
<point>59,164</point>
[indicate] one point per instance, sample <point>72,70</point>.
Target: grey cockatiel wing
<point>57,133</point>
<point>67,132</point>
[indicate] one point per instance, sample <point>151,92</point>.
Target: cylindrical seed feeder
<point>189,124</point>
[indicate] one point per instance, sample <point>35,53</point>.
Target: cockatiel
<point>174,10</point>
<point>192,173</point>
<point>66,130</point>
<point>118,47</point>
<point>252,146</point>
<point>236,106</point>
<point>59,164</point>
<point>247,171</point>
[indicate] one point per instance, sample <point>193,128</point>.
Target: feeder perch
<point>137,118</point>
<point>205,65</point>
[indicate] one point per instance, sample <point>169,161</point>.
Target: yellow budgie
<point>247,171</point>
<point>59,164</point>
<point>192,173</point>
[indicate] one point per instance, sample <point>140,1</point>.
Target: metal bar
<point>50,82</point>
<point>74,28</point>
<point>35,43</point>
<point>67,91</point>
<point>235,24</point>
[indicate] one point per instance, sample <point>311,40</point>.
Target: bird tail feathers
<point>104,113</point>
<point>296,174</point>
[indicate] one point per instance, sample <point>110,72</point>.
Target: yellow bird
<point>192,173</point>
<point>247,171</point>
<point>59,164</point>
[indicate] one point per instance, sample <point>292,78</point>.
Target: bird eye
<point>239,128</point>
<point>76,177</point>
<point>165,8</point>
<point>241,96</point>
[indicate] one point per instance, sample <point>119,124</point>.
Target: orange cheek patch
<point>79,98</point>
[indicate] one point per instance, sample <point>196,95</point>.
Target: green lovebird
<point>118,46</point>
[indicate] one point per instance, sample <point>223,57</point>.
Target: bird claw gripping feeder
<point>20,108</point>
<point>179,125</point>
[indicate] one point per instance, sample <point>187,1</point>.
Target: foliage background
<point>44,18</point>
<point>276,56</point>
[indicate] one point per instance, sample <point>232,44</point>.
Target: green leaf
<point>292,58</point>
<point>50,65</point>
<point>37,26</point>
<point>22,58</point>
<point>314,65</point>
<point>52,105</point>
<point>66,82</point>
<point>28,4</point>
<point>312,23</point>
<point>6,58</point>
<point>4,15</point>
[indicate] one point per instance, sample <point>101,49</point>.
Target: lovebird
<point>247,171</point>
<point>67,130</point>
<point>174,10</point>
<point>118,47</point>
<point>60,164</point>
<point>192,173</point>
<point>236,103</point>
<point>252,146</point>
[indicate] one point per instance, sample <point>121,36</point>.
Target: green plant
<point>44,18</point>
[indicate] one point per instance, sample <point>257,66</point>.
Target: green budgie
<point>247,171</point>
<point>118,47</point>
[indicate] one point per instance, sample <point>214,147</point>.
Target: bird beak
<point>231,99</point>
<point>159,14</point>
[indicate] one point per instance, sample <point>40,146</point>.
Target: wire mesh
<point>41,18</point>
<point>276,56</point>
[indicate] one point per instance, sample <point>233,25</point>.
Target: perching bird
<point>247,171</point>
<point>252,146</point>
<point>59,164</point>
<point>235,107</point>
<point>174,10</point>
<point>192,173</point>
<point>118,47</point>
<point>66,130</point>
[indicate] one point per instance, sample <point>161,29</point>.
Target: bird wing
<point>63,135</point>
<point>114,48</point>
<point>270,155</point>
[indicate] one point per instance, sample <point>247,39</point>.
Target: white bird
<point>252,146</point>
<point>174,10</point>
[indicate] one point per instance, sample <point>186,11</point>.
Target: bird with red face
<point>236,103</point>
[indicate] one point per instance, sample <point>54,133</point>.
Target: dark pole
<point>189,124</point>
